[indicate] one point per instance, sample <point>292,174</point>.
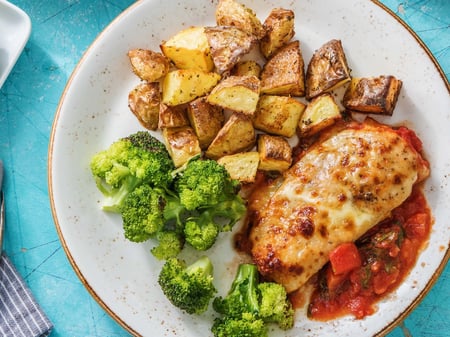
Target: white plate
<point>15,28</point>
<point>93,113</point>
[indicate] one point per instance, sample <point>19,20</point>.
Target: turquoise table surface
<point>61,32</point>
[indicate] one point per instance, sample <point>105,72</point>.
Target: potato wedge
<point>375,95</point>
<point>143,102</point>
<point>327,69</point>
<point>275,153</point>
<point>148,65</point>
<point>284,73</point>
<point>182,144</point>
<point>172,116</point>
<point>189,49</point>
<point>241,166</point>
<point>278,115</point>
<point>279,30</point>
<point>205,119</point>
<point>237,93</point>
<point>184,85</point>
<point>237,135</point>
<point>232,13</point>
<point>320,113</point>
<point>246,68</point>
<point>228,44</point>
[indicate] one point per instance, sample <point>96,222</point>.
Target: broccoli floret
<point>142,213</point>
<point>170,244</point>
<point>204,183</point>
<point>265,302</point>
<point>189,288</point>
<point>154,213</point>
<point>242,296</point>
<point>206,190</point>
<point>128,163</point>
<point>274,305</point>
<point>201,232</point>
<point>248,325</point>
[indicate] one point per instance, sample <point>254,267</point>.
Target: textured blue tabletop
<point>62,30</point>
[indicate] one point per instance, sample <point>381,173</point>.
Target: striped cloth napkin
<point>20,315</point>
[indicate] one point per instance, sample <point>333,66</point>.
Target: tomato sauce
<point>388,252</point>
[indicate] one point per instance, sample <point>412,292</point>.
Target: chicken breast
<point>337,190</point>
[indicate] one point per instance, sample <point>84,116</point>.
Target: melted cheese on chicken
<point>338,190</point>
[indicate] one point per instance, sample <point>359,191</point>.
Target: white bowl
<point>15,29</point>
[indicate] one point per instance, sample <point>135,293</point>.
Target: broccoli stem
<point>247,276</point>
<point>203,266</point>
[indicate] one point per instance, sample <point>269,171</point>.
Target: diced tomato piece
<point>345,258</point>
<point>416,225</point>
<point>334,280</point>
<point>360,306</point>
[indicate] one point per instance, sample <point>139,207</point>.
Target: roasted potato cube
<point>275,153</point>
<point>246,68</point>
<point>278,115</point>
<point>228,44</point>
<point>237,135</point>
<point>232,13</point>
<point>189,49</point>
<point>182,144</point>
<point>205,119</point>
<point>172,116</point>
<point>375,95</point>
<point>237,93</point>
<point>327,69</point>
<point>320,113</point>
<point>284,73</point>
<point>241,166</point>
<point>143,102</point>
<point>279,30</point>
<point>184,85</point>
<point>148,65</point>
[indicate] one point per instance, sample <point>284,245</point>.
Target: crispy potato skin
<point>327,69</point>
<point>275,153</point>
<point>284,73</point>
<point>148,65</point>
<point>376,95</point>
<point>237,135</point>
<point>232,13</point>
<point>228,44</point>
<point>279,30</point>
<point>172,116</point>
<point>182,144</point>
<point>205,119</point>
<point>144,101</point>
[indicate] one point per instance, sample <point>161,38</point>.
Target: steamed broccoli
<point>206,190</point>
<point>204,183</point>
<point>129,162</point>
<point>189,288</point>
<point>142,213</point>
<point>170,244</point>
<point>192,204</point>
<point>201,232</point>
<point>247,325</point>
<point>251,301</point>
<point>154,213</point>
